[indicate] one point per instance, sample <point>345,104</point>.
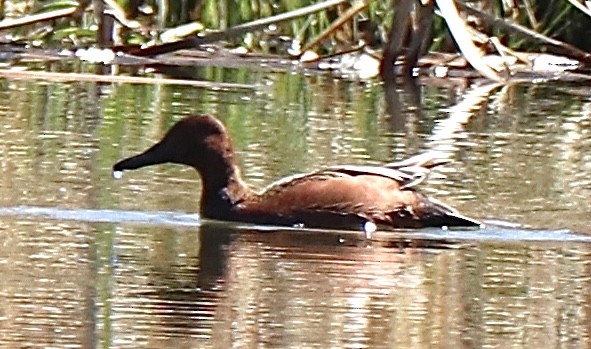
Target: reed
<point>556,19</point>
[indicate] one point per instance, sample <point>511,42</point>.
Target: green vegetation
<point>144,21</point>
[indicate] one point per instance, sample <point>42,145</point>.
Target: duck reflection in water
<point>179,294</point>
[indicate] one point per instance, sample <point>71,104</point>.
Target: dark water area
<point>89,261</point>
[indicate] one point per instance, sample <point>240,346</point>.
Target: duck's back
<point>347,199</point>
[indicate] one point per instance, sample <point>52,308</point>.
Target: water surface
<point>87,261</point>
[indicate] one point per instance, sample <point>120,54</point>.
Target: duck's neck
<point>223,189</point>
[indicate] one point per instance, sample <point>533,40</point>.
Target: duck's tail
<point>444,215</point>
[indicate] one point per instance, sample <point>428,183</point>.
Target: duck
<point>334,197</point>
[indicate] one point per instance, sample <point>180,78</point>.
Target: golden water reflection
<point>126,286</point>
<point>47,284</point>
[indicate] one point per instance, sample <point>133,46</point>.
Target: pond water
<point>89,261</point>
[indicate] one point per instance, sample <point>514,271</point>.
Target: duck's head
<point>200,141</point>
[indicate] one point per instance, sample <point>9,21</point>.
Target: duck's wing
<point>407,173</point>
<point>333,198</point>
<point>350,194</point>
<point>347,196</point>
<point>406,176</point>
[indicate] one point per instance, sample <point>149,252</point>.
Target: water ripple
<point>495,230</point>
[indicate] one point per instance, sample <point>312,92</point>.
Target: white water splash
<point>369,228</point>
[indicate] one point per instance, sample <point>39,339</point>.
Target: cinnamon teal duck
<point>340,197</point>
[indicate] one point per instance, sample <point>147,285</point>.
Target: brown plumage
<point>335,197</point>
